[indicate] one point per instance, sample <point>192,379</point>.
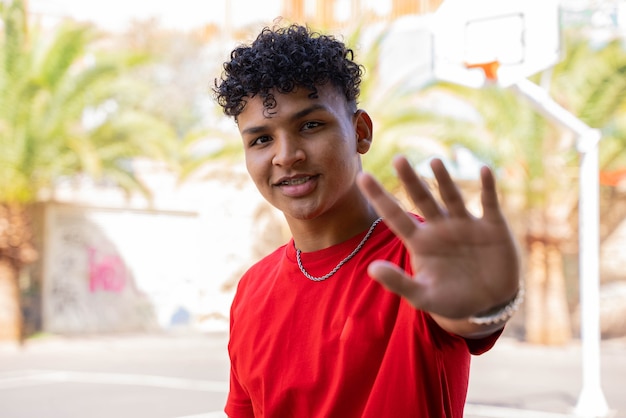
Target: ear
<point>364,131</point>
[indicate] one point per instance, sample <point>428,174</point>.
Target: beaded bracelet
<point>501,315</point>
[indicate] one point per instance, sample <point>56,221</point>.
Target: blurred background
<point>125,207</point>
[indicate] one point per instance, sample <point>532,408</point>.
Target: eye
<point>260,140</point>
<point>311,125</point>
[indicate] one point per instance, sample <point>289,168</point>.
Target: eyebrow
<point>298,115</point>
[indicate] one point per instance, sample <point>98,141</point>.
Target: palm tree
<point>396,109</point>
<point>597,94</point>
<point>65,111</point>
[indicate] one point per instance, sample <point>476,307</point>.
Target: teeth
<point>294,182</point>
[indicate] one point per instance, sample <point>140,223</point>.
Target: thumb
<point>395,279</point>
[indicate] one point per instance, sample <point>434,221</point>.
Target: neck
<point>328,230</point>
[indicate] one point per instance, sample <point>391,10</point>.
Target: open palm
<point>462,264</point>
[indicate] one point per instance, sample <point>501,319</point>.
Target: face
<point>305,155</point>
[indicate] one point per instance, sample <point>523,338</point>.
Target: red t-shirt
<point>344,347</point>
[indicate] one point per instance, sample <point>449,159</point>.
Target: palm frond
<point>48,83</point>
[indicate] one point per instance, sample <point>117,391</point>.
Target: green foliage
<point>529,149</point>
<point>396,113</point>
<point>49,82</point>
<point>591,82</point>
<point>193,156</point>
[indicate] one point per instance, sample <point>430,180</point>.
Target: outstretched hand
<point>462,265</point>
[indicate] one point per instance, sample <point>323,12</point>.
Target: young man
<point>312,335</point>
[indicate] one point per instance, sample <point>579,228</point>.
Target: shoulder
<point>265,264</point>
<point>257,280</point>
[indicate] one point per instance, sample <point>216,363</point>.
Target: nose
<point>288,151</point>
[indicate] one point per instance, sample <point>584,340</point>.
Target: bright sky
<point>181,14</point>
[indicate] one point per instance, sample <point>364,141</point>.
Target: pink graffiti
<point>106,273</point>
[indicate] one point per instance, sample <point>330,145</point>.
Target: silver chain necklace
<point>342,262</point>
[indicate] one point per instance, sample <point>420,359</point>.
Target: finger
<point>450,193</point>
<point>417,189</point>
<point>489,196</point>
<point>396,218</point>
<point>394,279</point>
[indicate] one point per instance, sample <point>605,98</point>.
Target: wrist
<point>501,313</point>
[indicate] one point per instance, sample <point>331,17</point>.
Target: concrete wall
<point>110,265</point>
<point>116,270</point>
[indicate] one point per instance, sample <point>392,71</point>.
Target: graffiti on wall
<point>88,285</point>
<point>66,300</point>
<point>107,272</point>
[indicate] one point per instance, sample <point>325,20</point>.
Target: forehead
<point>326,95</point>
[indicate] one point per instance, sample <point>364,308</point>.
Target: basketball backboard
<point>500,41</point>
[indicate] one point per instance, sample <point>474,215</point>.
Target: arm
<point>463,266</point>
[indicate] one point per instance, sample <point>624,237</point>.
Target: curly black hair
<point>283,59</point>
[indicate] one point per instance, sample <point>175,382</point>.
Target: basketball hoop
<point>490,69</point>
<point>509,40</point>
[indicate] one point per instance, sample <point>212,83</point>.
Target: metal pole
<point>591,402</point>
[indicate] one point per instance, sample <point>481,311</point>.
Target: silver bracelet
<point>501,315</point>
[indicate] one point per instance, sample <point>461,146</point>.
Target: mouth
<point>297,186</point>
<point>296,181</point>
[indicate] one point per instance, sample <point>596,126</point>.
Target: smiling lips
<point>297,186</point>
<point>294,181</point>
